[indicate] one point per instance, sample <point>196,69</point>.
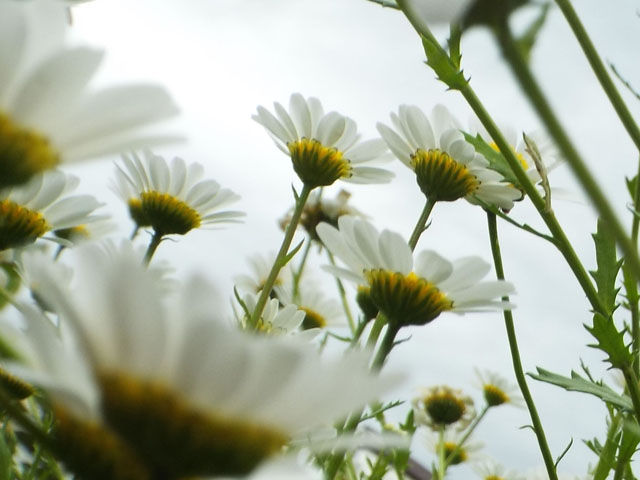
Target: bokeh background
<point>222,58</point>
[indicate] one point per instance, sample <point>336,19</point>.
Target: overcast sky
<point>222,58</point>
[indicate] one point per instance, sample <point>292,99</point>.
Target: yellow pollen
<point>406,299</point>
<point>494,395</point>
<point>167,214</point>
<point>19,225</point>
<point>23,153</point>
<point>177,440</point>
<point>312,319</point>
<point>519,156</point>
<point>317,165</point>
<point>442,178</point>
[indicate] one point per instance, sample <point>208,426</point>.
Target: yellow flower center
<point>406,299</point>
<point>440,177</point>
<point>19,225</point>
<point>92,451</point>
<point>444,406</point>
<point>177,440</point>
<point>317,165</point>
<point>493,477</point>
<point>23,153</point>
<point>312,319</point>
<point>73,233</point>
<point>15,386</point>
<point>459,457</point>
<point>494,395</point>
<point>519,156</point>
<point>167,214</point>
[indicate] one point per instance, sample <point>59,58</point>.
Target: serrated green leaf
<point>608,266</point>
<point>446,70</point>
<point>528,39</point>
<point>578,383</point>
<point>496,160</point>
<point>610,341</point>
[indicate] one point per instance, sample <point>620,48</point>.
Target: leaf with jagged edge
<point>496,160</point>
<point>608,266</point>
<point>610,341</point>
<point>446,70</point>
<point>527,40</point>
<point>578,383</point>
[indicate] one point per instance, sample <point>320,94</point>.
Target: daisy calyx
<point>40,206</point>
<point>408,289</point>
<point>171,197</point>
<point>323,147</point>
<point>192,396</point>
<point>446,166</point>
<point>49,114</point>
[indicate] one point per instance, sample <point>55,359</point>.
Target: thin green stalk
<point>281,256</point>
<point>467,434</point>
<point>515,354</point>
<point>422,222</point>
<point>343,297</point>
<point>631,379</point>
<point>385,346</point>
<point>297,274</point>
<point>632,287</point>
<point>153,245</point>
<point>531,88</point>
<point>441,460</point>
<point>600,71</point>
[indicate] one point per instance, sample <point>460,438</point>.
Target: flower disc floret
<point>440,177</point>
<point>317,165</point>
<point>167,214</point>
<point>19,225</point>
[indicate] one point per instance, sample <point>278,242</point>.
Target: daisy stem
<point>600,71</point>
<point>547,214</point>
<point>465,437</point>
<point>513,55</point>
<point>515,354</point>
<point>631,380</point>
<point>343,297</point>
<point>281,257</point>
<point>631,286</point>
<point>153,245</point>
<point>422,222</point>
<point>441,459</point>
<point>297,274</point>
<point>386,346</point>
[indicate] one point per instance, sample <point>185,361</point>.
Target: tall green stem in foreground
<point>513,55</point>
<point>515,355</point>
<point>281,257</point>
<point>600,70</point>
<point>422,222</point>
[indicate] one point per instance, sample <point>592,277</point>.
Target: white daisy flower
<point>192,396</point>
<point>171,198</point>
<point>260,267</point>
<point>319,311</point>
<point>446,166</point>
<point>48,112</point>
<point>433,12</point>
<point>497,390</point>
<point>42,205</point>
<point>442,406</point>
<point>323,147</point>
<point>408,290</point>
<point>469,452</point>
<point>490,470</point>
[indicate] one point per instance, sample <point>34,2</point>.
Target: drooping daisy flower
<point>42,205</point>
<point>408,290</point>
<point>442,406</point>
<point>323,147</point>
<point>319,311</point>
<point>260,268</point>
<point>455,452</point>
<point>171,198</point>
<point>446,166</point>
<point>48,112</point>
<point>190,395</point>
<point>497,390</point>
<point>274,319</point>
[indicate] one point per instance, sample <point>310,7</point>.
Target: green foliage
<point>630,441</point>
<point>6,458</point>
<point>13,282</point>
<point>527,40</point>
<point>577,383</point>
<point>496,160</point>
<point>610,341</point>
<point>445,68</point>
<point>608,267</point>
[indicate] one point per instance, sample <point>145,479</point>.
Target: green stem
<point>281,256</point>
<point>385,347</point>
<point>467,434</point>
<point>153,245</point>
<point>343,297</point>
<point>632,287</point>
<point>531,88</point>
<point>600,71</point>
<point>441,460</point>
<point>631,380</point>
<point>422,222</point>
<point>515,354</point>
<point>297,274</point>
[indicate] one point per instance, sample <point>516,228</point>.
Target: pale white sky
<point>222,58</point>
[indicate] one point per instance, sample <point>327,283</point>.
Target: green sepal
<point>496,160</point>
<point>578,383</point>
<point>527,40</point>
<point>445,69</point>
<point>608,266</point>
<point>610,341</point>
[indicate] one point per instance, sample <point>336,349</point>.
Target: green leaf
<point>455,36</point>
<point>578,383</point>
<point>607,460</point>
<point>608,266</point>
<point>528,39</point>
<point>630,441</point>
<point>445,69</point>
<point>631,186</point>
<point>610,341</point>
<point>496,160</point>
